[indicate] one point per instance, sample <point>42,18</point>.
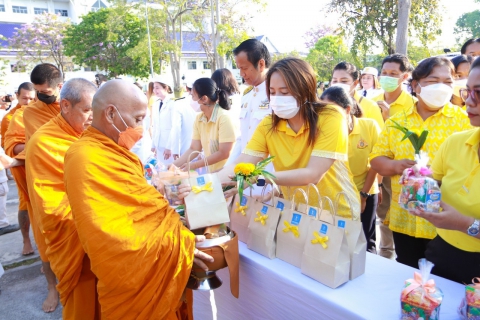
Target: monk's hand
<point>183,191</point>
<point>167,154</point>
<point>200,257</point>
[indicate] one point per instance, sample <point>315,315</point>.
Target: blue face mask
<point>389,84</point>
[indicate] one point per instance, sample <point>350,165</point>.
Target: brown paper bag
<point>262,228</point>
<point>357,243</point>
<point>292,233</point>
<point>240,214</point>
<point>325,257</point>
<point>205,205</point>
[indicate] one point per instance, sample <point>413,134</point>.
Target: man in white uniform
<point>162,111</point>
<point>183,118</point>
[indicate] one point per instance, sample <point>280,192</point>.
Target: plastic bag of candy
<point>418,190</point>
<point>420,298</point>
<point>149,168</point>
<point>472,297</point>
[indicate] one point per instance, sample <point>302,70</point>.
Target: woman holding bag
<point>308,138</point>
<point>363,134</point>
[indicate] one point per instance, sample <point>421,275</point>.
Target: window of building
<point>2,8</point>
<point>206,65</point>
<point>192,65</point>
<point>61,12</point>
<point>19,9</point>
<point>40,10</point>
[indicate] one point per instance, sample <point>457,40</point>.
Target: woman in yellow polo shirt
<point>363,134</point>
<point>308,138</point>
<point>213,130</point>
<point>455,251</point>
<point>432,83</point>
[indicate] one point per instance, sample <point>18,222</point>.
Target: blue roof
<point>7,30</point>
<point>190,44</point>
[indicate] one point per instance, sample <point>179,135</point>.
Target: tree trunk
<point>213,37</point>
<point>220,59</point>
<point>402,25</point>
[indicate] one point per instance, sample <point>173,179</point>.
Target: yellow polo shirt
<point>219,129</point>
<point>404,102</point>
<point>360,144</point>
<point>370,109</point>
<point>441,125</point>
<point>457,166</point>
<point>292,151</point>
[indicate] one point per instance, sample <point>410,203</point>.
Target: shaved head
<point>118,99</point>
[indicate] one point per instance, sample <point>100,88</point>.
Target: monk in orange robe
<point>44,165</point>
<point>25,94</point>
<point>139,249</point>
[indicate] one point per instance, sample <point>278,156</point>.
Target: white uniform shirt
<point>254,107</point>
<point>162,124</point>
<point>371,93</point>
<point>143,147</point>
<point>183,118</point>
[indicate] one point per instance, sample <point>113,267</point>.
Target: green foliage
<point>280,56</point>
<point>104,39</point>
<point>328,51</point>
<point>468,26</point>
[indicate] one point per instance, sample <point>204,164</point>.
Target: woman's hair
<point>150,90</point>
<point>226,81</point>
<point>458,60</point>
<point>207,87</point>
<point>341,98</point>
<point>302,85</point>
<point>376,84</point>
<point>425,68</point>
<point>349,68</point>
<point>463,50</point>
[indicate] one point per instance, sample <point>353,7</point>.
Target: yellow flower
<point>244,169</point>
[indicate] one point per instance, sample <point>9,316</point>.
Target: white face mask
<point>285,107</point>
<point>195,105</point>
<point>436,95</point>
<point>345,87</point>
<point>461,83</point>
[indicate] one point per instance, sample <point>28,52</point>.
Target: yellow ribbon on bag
<point>261,218</point>
<point>208,187</point>
<point>293,229</point>
<point>241,209</point>
<point>320,240</point>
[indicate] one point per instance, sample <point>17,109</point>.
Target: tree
<point>104,38</point>
<point>468,25</point>
<point>401,43</point>
<point>314,34</point>
<point>371,22</point>
<point>328,51</point>
<point>41,41</point>
<point>280,56</point>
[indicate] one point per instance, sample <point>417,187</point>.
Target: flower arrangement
<point>416,137</point>
<point>249,173</point>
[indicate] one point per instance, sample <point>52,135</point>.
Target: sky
<point>286,21</point>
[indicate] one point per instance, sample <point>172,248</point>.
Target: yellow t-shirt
<point>219,129</point>
<point>457,166</point>
<point>292,151</point>
<point>360,144</point>
<point>370,109</point>
<point>441,125</point>
<point>404,102</point>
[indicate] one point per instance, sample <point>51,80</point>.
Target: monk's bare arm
<point>18,148</point>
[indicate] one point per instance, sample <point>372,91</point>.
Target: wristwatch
<point>380,185</point>
<point>474,228</point>
<point>364,194</point>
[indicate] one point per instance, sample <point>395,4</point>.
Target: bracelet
<point>364,194</point>
<point>380,185</point>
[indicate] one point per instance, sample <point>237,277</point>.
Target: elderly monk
<point>47,81</point>
<point>25,94</point>
<point>138,248</point>
<point>44,165</point>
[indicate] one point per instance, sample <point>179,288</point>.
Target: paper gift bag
<point>262,228</point>
<point>325,256</point>
<point>292,233</point>
<point>240,214</point>
<point>205,205</point>
<point>357,243</point>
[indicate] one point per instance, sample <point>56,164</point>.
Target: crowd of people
<point>110,244</point>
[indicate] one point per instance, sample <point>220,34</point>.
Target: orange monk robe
<point>5,122</point>
<point>138,248</point>
<point>44,165</point>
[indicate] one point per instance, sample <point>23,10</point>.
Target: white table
<point>274,289</point>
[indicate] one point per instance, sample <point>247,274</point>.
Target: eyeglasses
<point>473,94</point>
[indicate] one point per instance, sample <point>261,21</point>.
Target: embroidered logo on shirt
<point>362,144</point>
<point>264,104</point>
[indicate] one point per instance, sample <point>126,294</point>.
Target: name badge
<point>341,224</point>
<point>280,205</point>
<point>312,212</point>
<point>201,181</point>
<point>324,229</point>
<point>296,219</point>
<point>244,201</point>
<point>264,210</point>
<point>264,104</point>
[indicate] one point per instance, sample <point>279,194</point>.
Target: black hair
<point>401,59</point>
<point>207,87</point>
<point>425,68</point>
<point>466,44</point>
<point>341,98</point>
<point>101,77</point>
<point>25,86</point>
<point>349,68</point>
<point>475,64</point>
<point>226,81</point>
<point>255,51</point>
<point>46,73</point>
<point>458,60</point>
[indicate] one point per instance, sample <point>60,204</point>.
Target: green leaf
<point>407,135</point>
<point>240,186</point>
<point>422,139</point>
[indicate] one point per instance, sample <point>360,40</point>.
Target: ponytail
<point>207,87</point>
<point>223,99</point>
